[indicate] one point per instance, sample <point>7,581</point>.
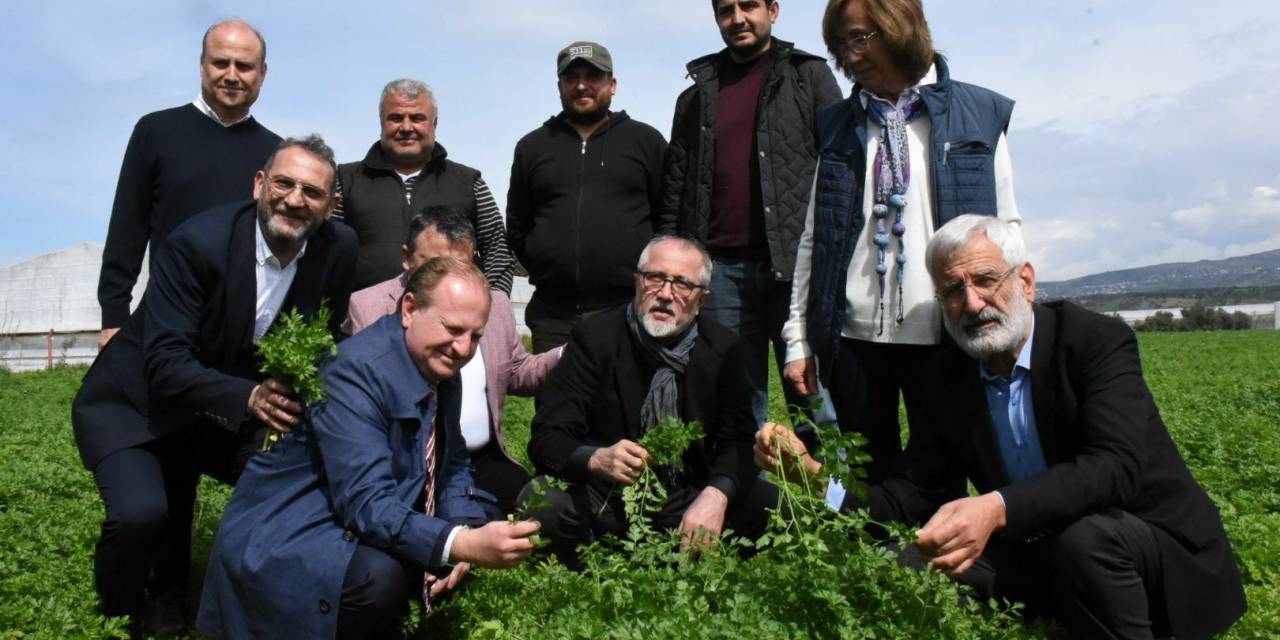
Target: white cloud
<point>1245,249</point>
<point>1200,215</point>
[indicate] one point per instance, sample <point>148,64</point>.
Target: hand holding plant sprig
<point>291,354</point>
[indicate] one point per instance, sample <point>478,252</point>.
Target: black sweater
<point>179,162</point>
<point>579,212</point>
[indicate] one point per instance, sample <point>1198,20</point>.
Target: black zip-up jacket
<point>797,86</point>
<point>579,212</point>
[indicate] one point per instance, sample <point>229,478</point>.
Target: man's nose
<point>973,301</point>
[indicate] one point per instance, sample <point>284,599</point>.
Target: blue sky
<point>1144,132</point>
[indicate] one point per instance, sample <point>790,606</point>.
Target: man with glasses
<point>738,172</point>
<point>624,371</point>
<point>909,150</point>
<point>1086,511</point>
<point>584,192</point>
<point>178,392</point>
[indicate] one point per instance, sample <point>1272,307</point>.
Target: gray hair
<point>704,271</point>
<point>955,234</point>
<point>409,88</point>
<point>313,144</point>
<point>204,42</point>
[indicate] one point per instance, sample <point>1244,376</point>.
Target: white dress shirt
<point>208,111</point>
<point>273,283</point>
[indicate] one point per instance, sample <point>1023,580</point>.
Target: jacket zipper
<point>577,224</point>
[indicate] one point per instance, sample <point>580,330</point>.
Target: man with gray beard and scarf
<point>1085,509</point>
<point>624,371</point>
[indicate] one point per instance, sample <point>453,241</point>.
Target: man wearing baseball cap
<point>584,189</point>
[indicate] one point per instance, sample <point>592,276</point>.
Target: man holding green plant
<point>178,392</point>
<point>628,375</point>
<point>1086,510</point>
<point>330,532</point>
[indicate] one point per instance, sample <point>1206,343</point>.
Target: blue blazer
<point>352,473</point>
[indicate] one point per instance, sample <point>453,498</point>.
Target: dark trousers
<point>149,492</point>
<point>1101,577</point>
<point>865,384</point>
<point>375,592</point>
<point>551,320</point>
<point>497,474</point>
<point>583,514</point>
<point>748,300</point>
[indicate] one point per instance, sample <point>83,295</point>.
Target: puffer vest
<point>966,121</point>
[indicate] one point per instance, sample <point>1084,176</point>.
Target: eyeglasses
<point>983,284</point>
<point>653,281</point>
<point>859,43</point>
<point>283,186</point>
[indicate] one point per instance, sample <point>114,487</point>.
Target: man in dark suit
<point>178,392</point>
<point>626,369</point>
<point>1086,509</point>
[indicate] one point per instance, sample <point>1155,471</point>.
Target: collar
<point>376,158</point>
<point>1024,358</point>
<point>930,77</point>
<point>208,111</point>
<point>262,252</point>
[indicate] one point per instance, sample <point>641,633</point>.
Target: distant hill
<point>1259,270</point>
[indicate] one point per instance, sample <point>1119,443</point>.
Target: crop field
<point>1219,394</point>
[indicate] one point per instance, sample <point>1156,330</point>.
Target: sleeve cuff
<point>575,468</point>
<point>725,484</point>
<point>835,494</point>
<point>448,547</point>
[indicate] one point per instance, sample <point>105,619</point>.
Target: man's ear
<point>404,257</point>
<point>1027,280</point>
<point>408,307</point>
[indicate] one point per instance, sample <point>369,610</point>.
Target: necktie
<point>429,503</point>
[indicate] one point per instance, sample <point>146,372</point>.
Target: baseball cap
<point>593,53</point>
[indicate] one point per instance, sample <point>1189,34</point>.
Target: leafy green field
<point>1218,392</point>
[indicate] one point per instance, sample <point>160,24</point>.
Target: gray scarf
<point>663,399</point>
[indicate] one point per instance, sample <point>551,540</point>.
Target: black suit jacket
<point>1105,445</point>
<point>592,399</point>
<point>186,357</point>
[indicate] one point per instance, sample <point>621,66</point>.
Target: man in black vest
<point>405,171</point>
<point>178,391</point>
<point>584,192</point>
<point>184,160</point>
<point>739,170</point>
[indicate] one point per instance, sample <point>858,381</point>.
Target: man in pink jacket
<point>501,365</point>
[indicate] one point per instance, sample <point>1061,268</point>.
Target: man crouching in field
<point>329,533</point>
<point>623,372</point>
<point>1086,511</point>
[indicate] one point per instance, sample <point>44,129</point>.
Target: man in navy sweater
<point>185,160</point>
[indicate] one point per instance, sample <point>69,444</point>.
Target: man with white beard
<point>1085,509</point>
<point>624,371</point>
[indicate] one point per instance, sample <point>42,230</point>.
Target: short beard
<point>981,344</point>
<point>275,238</point>
<point>660,330</point>
<point>586,117</point>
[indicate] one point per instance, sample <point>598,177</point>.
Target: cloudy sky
<point>1143,131</point>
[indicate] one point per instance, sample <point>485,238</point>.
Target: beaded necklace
<point>892,174</point>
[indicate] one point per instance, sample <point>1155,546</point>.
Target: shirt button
<point>768,209</point>
<point>324,606</point>
<point>348,536</point>
<point>761,154</point>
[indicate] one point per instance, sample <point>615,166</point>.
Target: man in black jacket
<point>185,160</point>
<point>625,370</point>
<point>584,190</point>
<point>1086,510</point>
<point>406,170</point>
<point>739,171</point>
<point>178,391</point>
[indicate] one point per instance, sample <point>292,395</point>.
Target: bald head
<point>232,68</point>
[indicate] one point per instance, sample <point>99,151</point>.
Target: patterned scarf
<point>663,399</point>
<point>892,175</point>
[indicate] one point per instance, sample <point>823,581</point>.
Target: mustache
<point>988,314</point>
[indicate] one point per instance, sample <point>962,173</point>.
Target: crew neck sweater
<point>737,222</point>
<point>179,162</point>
